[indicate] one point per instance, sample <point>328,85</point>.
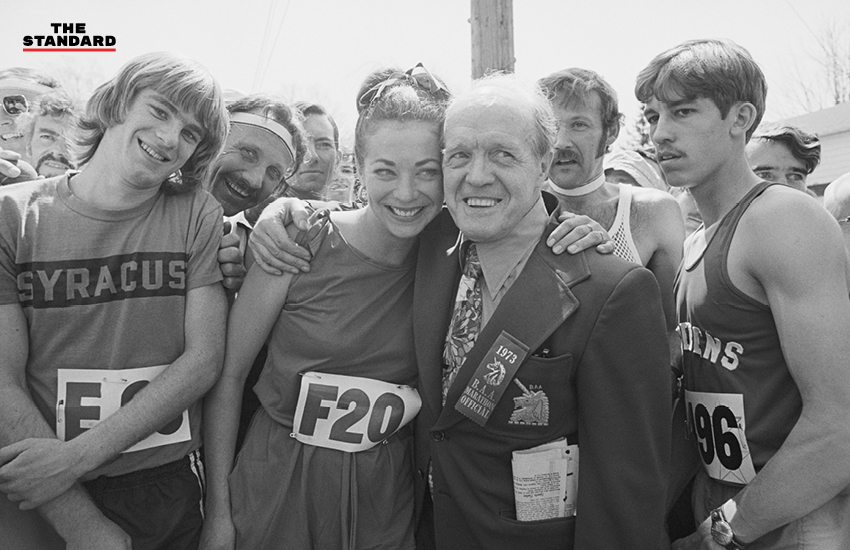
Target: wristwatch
<point>722,533</point>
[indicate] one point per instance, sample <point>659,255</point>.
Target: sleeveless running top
<point>732,353</point>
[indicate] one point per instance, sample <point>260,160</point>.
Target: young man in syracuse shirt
<point>113,316</point>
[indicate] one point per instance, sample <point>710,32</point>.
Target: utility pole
<point>492,36</point>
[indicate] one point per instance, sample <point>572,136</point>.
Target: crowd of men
<point>697,357</point>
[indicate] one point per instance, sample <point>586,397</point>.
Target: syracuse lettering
<point>92,281</point>
<point>74,35</point>
<point>703,344</point>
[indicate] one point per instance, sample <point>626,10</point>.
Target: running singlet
<point>741,399</point>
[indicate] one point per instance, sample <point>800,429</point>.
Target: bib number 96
<point>717,421</point>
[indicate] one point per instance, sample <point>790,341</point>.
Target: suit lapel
<point>537,303</point>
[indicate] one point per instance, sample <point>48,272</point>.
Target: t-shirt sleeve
<point>203,268</point>
<point>9,223</point>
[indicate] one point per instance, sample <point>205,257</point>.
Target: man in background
<point>47,130</point>
<point>319,166</point>
<point>644,223</point>
<point>19,88</point>
<point>784,154</point>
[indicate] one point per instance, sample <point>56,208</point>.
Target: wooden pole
<point>492,36</point>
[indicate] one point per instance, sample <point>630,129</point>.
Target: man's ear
<point>613,134</point>
<point>743,115</point>
<point>546,163</point>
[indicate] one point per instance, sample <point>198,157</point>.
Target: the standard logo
<point>69,37</point>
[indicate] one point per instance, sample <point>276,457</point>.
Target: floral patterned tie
<point>466,319</point>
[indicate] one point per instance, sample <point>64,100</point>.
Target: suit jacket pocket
<point>540,535</point>
<point>539,402</point>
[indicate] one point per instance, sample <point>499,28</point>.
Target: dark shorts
<point>160,508</point>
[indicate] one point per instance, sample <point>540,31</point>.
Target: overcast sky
<point>320,50</point>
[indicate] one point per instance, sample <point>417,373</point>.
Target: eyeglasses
<point>417,76</point>
<point>15,104</point>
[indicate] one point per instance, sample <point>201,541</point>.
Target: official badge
<point>531,408</point>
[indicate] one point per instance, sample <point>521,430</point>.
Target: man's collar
<point>499,258</point>
<point>581,190</point>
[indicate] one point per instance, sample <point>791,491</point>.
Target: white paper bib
<point>717,420</point>
<point>349,413</point>
<point>87,396</point>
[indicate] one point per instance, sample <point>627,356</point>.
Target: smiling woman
<point>338,484</point>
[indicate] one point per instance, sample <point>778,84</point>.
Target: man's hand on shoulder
<point>274,251</point>
<point>578,232</point>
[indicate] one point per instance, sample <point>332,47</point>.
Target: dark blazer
<point>607,379</point>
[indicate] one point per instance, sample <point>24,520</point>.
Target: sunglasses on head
<point>417,76</point>
<point>15,104</point>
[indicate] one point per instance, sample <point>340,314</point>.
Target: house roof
<point>825,122</point>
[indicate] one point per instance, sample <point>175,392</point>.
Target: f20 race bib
<point>349,413</point>
<point>717,421</point>
<point>87,396</point>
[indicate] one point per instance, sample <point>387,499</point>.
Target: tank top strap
<point>722,238</point>
<point>729,223</point>
<point>621,218</point>
<point>621,230</point>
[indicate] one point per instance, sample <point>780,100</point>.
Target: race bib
<point>717,421</point>
<point>87,396</point>
<point>349,413</point>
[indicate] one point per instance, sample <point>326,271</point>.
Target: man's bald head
<point>498,147</point>
<point>836,197</point>
<point>527,98</point>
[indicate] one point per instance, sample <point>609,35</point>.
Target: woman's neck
<point>367,234</point>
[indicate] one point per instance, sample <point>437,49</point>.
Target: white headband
<point>637,167</point>
<point>250,119</point>
<point>18,85</point>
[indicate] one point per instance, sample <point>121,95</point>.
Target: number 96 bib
<point>349,413</point>
<point>717,421</point>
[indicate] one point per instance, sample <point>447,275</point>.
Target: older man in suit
<point>533,347</point>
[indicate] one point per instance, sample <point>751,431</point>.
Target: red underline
<point>69,49</point>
